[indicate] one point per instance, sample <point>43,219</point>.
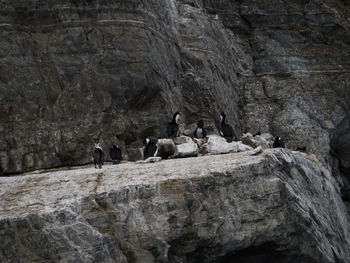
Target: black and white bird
<point>173,126</point>
<point>98,156</point>
<point>225,129</point>
<point>151,148</point>
<point>278,142</point>
<point>200,132</point>
<point>116,154</point>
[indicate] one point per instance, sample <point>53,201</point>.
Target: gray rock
<point>166,148</point>
<point>135,154</point>
<point>182,139</point>
<point>188,149</point>
<point>70,74</point>
<point>219,145</point>
<point>153,159</point>
<point>279,206</point>
<point>255,141</point>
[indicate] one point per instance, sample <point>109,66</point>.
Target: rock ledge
<point>279,206</point>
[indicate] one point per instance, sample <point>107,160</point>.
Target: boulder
<point>257,140</point>
<point>219,145</point>
<point>166,148</point>
<point>189,149</point>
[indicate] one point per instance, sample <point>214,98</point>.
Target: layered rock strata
<point>75,72</point>
<point>279,206</point>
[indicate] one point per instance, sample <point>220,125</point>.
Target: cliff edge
<point>279,206</point>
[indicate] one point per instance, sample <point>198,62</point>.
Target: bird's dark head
<point>200,123</point>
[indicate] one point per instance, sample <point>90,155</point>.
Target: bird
<point>173,126</point>
<point>200,132</point>
<point>225,129</point>
<point>151,148</point>
<point>98,156</point>
<point>278,142</point>
<point>116,154</point>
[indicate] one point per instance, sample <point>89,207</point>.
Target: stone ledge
<point>204,209</point>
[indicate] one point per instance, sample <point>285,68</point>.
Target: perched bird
<point>278,143</point>
<point>116,154</point>
<point>173,126</point>
<point>151,148</point>
<point>200,132</point>
<point>225,129</point>
<point>98,156</point>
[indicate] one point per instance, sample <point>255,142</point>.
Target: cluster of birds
<point>225,130</point>
<point>115,152</point>
<point>150,144</point>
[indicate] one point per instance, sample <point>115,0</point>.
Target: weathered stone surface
<point>182,139</point>
<point>188,149</point>
<point>279,206</point>
<point>255,141</point>
<point>218,145</point>
<point>135,154</point>
<point>166,148</point>
<point>300,86</point>
<point>73,72</point>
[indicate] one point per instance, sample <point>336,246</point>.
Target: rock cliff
<point>279,206</point>
<point>77,71</point>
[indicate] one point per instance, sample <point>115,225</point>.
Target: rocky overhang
<point>279,206</point>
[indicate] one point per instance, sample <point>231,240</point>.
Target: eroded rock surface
<point>279,206</point>
<point>72,72</point>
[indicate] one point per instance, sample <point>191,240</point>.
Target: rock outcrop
<point>279,206</point>
<point>76,72</point>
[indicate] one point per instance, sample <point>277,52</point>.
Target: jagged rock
<point>283,70</point>
<point>279,206</point>
<point>219,145</point>
<point>255,141</point>
<point>255,151</point>
<point>201,145</point>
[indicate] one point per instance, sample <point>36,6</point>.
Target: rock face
<point>280,206</point>
<point>76,72</point>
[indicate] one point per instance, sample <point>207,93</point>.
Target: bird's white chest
<point>200,133</point>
